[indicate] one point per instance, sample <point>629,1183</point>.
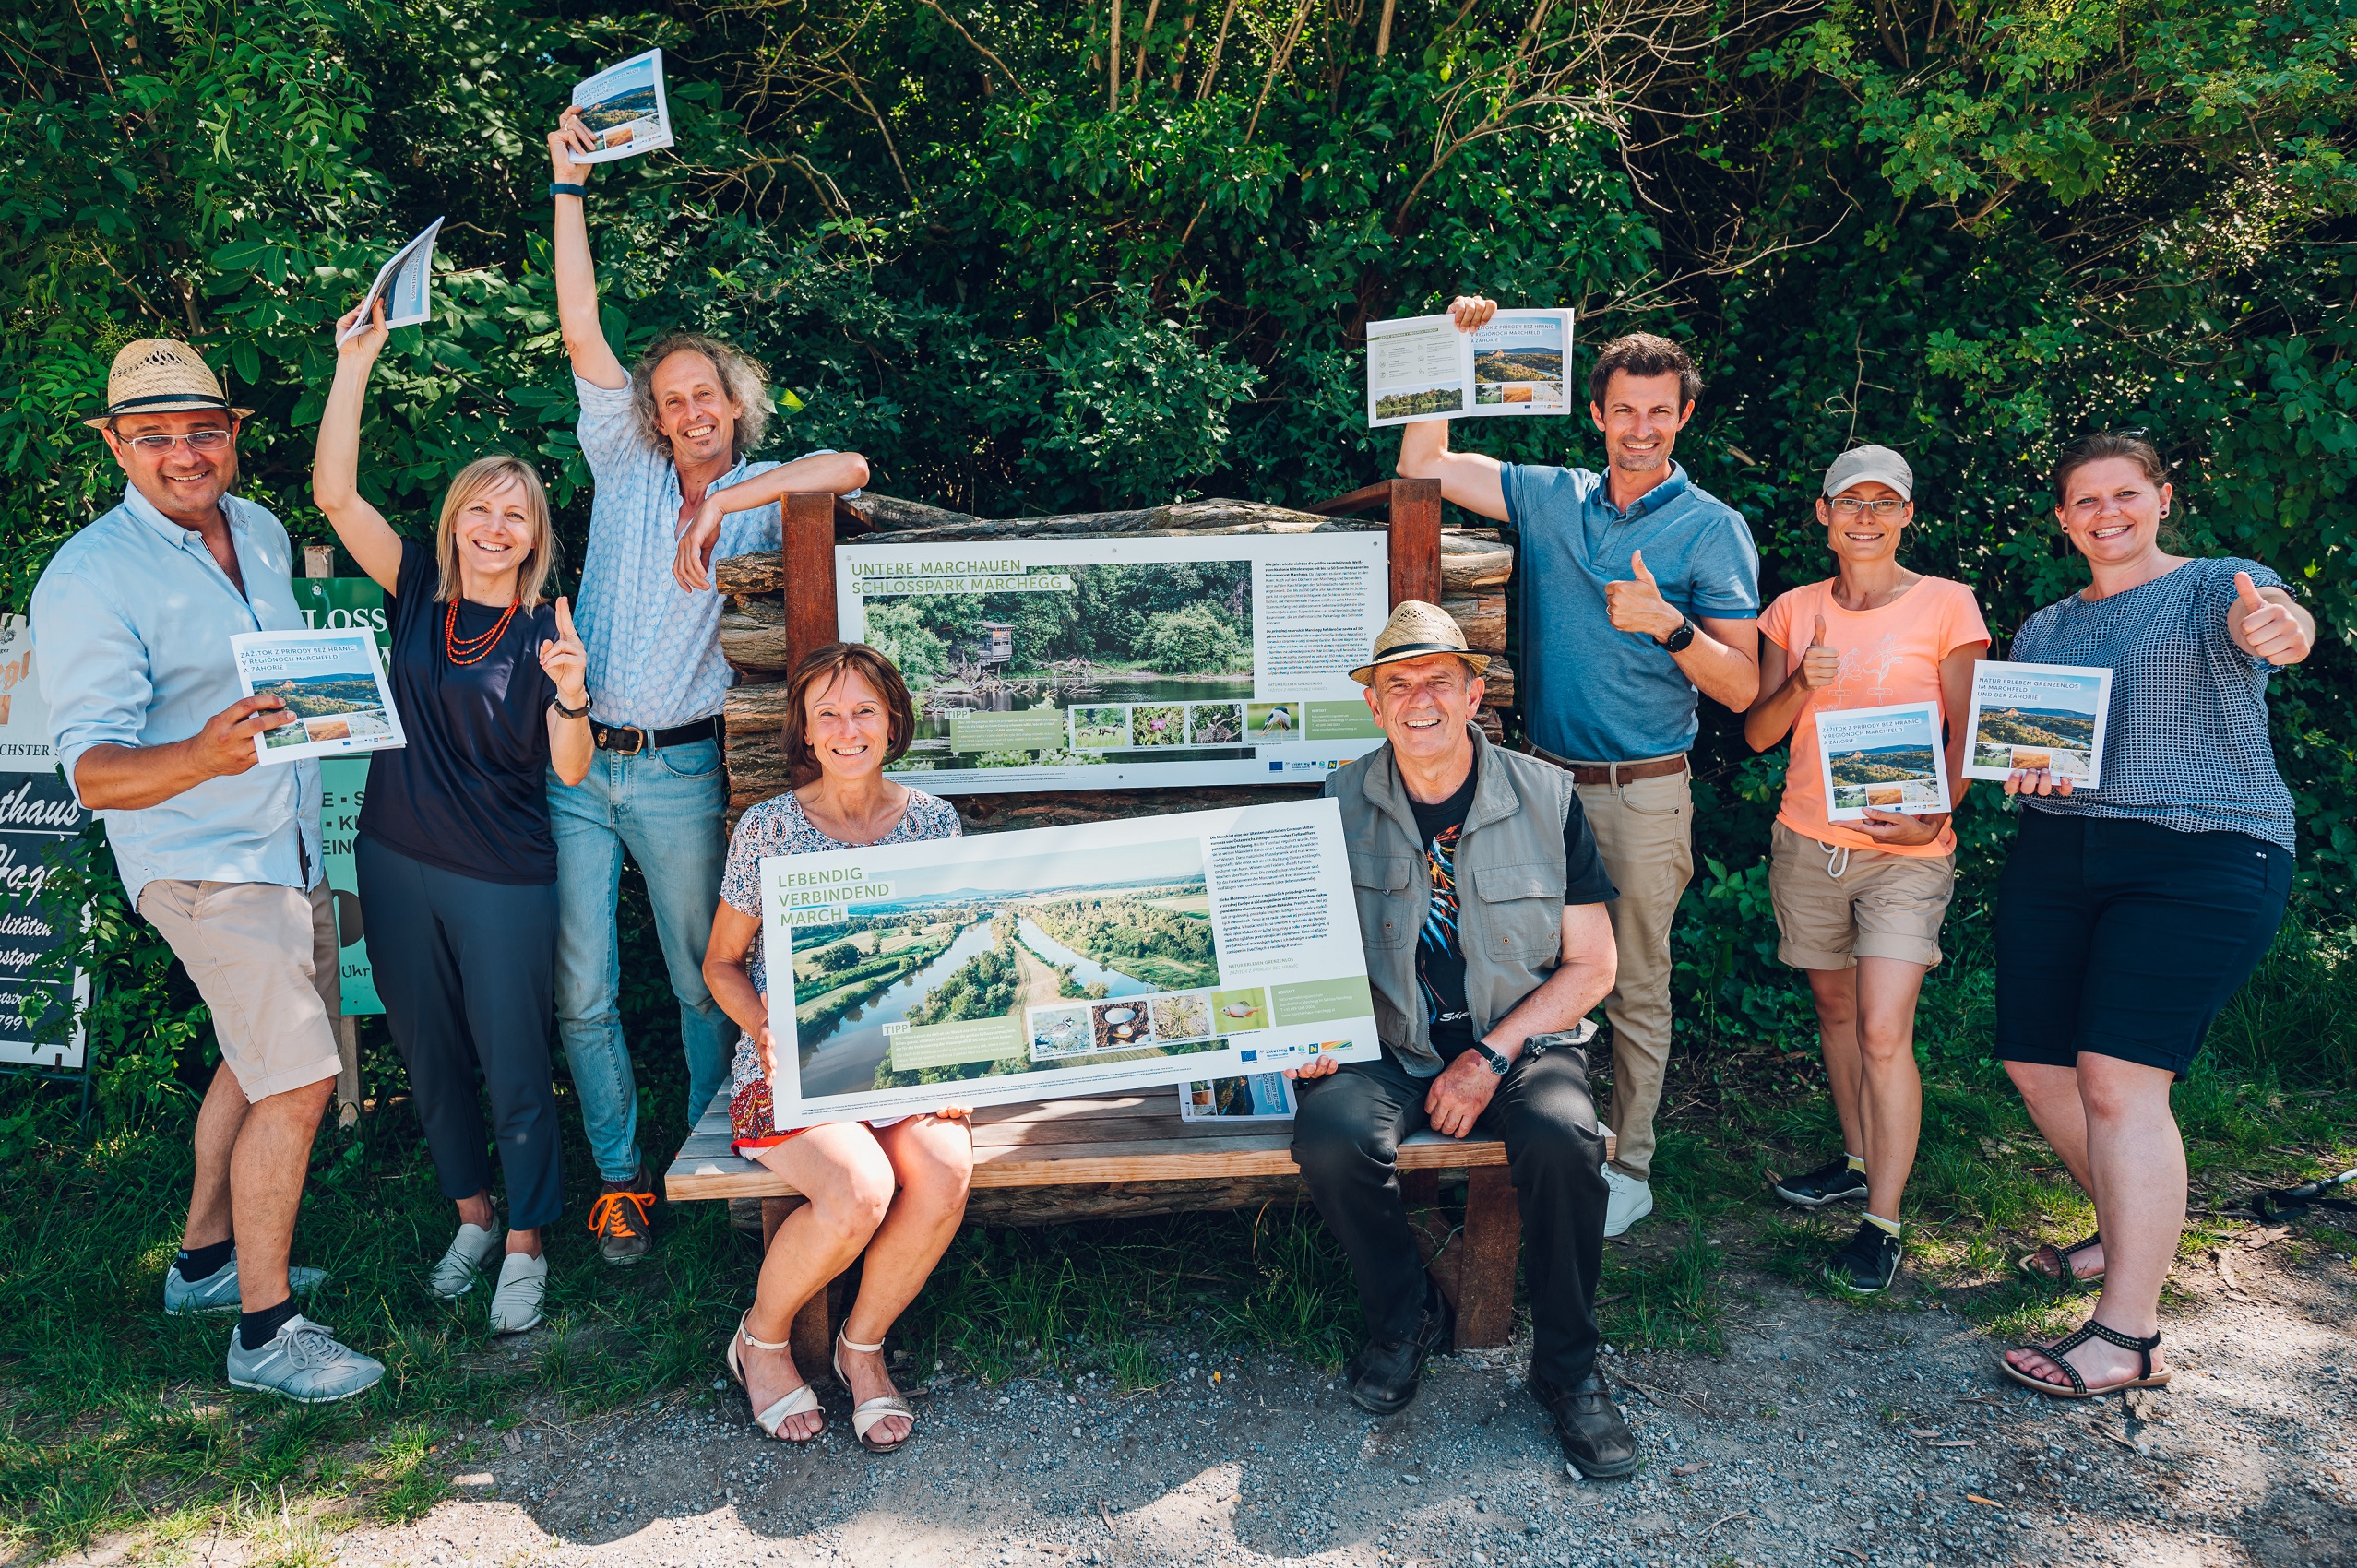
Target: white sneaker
<point>470,1253</point>
<point>515,1305</point>
<point>1629,1201</point>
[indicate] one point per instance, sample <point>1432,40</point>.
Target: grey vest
<point>1510,877</point>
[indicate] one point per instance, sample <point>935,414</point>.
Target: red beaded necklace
<point>472,650</point>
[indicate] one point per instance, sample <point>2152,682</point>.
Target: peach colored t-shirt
<point>1888,655</point>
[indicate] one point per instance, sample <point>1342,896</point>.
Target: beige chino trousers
<point>1645,833</point>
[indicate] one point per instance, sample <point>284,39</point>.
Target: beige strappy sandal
<point>802,1401</point>
<point>882,1408</point>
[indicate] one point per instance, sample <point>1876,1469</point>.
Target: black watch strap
<point>1497,1064</point>
<point>1682,638</point>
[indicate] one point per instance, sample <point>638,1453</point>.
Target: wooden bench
<point>1132,1154</point>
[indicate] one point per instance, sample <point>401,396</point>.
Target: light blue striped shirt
<point>654,649</point>
<point>131,621</point>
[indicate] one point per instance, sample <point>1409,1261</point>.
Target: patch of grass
<point>1672,1303</point>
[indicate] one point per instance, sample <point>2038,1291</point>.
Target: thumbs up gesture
<point>566,661</point>
<point>1637,605</point>
<point>1820,665</point>
<point>2266,629</point>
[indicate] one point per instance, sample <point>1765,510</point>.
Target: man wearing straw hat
<point>1480,902</point>
<point>132,619</point>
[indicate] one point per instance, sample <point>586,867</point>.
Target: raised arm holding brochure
<point>1421,367</point>
<point>406,284</point>
<point>623,107</point>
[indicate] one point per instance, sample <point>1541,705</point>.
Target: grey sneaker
<point>470,1255</point>
<point>217,1293</point>
<point>515,1305</point>
<point>303,1362</point>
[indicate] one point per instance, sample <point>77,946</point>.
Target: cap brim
<point>1365,673</point>
<point>178,406</point>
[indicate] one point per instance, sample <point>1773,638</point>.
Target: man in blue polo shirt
<point>1639,593</point>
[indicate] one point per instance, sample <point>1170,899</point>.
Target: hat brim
<point>1365,673</point>
<point>188,405</point>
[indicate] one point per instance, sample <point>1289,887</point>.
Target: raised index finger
<point>564,615</point>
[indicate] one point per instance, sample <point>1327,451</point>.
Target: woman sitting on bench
<point>848,716</point>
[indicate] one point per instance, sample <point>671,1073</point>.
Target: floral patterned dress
<point>777,827</point>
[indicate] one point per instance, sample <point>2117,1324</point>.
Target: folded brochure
<point>333,684</point>
<point>2032,716</point>
<point>623,107</point>
<point>1262,1096</point>
<point>1421,367</point>
<point>406,282</point>
<point>1886,759</point>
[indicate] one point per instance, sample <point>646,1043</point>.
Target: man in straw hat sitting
<point>1480,902</point>
<point>131,621</point>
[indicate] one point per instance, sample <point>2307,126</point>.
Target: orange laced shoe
<point>623,1220</point>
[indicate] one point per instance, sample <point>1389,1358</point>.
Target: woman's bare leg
<point>1835,993</point>
<point>843,1172</point>
<point>933,1157</point>
<point>2052,1095</point>
<point>1891,1098</point>
<point>2138,1160</point>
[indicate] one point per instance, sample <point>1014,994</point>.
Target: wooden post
<point>1491,1246</point>
<point>319,561</point>
<point>1415,540</point>
<point>809,573</point>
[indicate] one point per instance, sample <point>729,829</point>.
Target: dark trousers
<point>466,969</point>
<point>1346,1138</point>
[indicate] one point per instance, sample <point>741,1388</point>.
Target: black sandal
<point>2053,1264</point>
<point>2058,1352</point>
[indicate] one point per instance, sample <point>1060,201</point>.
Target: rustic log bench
<point>1131,1154</point>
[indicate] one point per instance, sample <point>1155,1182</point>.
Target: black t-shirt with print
<point>1440,954</point>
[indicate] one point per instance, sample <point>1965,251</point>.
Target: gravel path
<point>1827,1434</point>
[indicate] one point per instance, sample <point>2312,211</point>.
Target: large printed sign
<point>40,1019</point>
<point>1013,966</point>
<point>332,604</point>
<point>1120,663</point>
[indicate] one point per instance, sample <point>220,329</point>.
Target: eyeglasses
<point>197,440</point>
<point>1884,509</point>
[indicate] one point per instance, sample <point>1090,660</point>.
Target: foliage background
<point>1045,256</point>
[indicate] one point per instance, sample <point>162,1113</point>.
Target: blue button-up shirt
<point>1589,692</point>
<point>131,620</point>
<point>654,647</point>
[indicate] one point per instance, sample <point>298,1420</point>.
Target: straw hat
<point>161,375</point>
<point>1418,630</point>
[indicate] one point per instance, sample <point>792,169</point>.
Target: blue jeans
<point>668,808</point>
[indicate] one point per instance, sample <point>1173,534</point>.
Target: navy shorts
<point>2126,938</point>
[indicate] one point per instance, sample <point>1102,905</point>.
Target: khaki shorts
<point>266,960</point>
<point>1882,906</point>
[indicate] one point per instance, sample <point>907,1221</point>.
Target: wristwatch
<point>1682,638</point>
<point>1495,1062</point>
<point>565,712</point>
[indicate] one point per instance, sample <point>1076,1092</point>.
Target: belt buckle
<point>638,741</point>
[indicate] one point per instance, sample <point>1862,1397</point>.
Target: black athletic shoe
<point>1868,1264</point>
<point>1834,1182</point>
<point>1596,1442</point>
<point>1383,1376</point>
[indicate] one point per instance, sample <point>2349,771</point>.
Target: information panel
<point>332,604</point>
<point>1122,663</point>
<point>1012,967</point>
<point>41,1018</point>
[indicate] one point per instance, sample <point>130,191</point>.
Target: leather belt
<point>624,741</point>
<point>1614,773</point>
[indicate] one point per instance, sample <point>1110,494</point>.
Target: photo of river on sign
<point>1050,961</point>
<point>1120,662</point>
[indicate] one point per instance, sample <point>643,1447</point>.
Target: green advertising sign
<point>332,604</point>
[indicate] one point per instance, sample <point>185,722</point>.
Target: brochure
<point>407,283</point>
<point>1054,962</point>
<point>1264,1096</point>
<point>2028,716</point>
<point>623,108</point>
<point>1421,367</point>
<point>1122,663</point>
<point>1887,758</point>
<point>333,682</point>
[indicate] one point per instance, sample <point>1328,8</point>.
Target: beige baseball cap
<point>162,376</point>
<point>1862,463</point>
<point>1418,630</point>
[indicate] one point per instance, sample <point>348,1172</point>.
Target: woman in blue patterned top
<point>894,1188</point>
<point>2129,913</point>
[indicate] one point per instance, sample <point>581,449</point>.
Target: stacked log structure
<point>1475,570</point>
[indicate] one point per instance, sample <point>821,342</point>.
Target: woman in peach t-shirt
<point>1859,905</point>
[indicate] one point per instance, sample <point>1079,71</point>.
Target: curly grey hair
<point>741,378</point>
